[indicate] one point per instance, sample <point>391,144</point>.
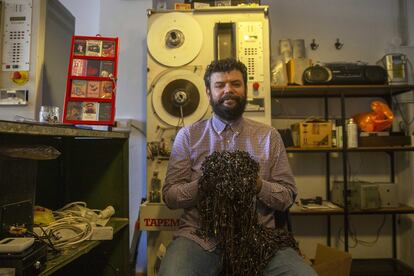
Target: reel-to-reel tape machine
<point>180,46</point>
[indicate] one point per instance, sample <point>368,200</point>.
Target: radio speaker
<point>317,75</point>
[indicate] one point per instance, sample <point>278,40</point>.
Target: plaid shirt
<point>195,142</point>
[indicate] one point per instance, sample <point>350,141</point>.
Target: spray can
<point>338,128</point>
<point>352,130</point>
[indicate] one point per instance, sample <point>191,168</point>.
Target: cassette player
<point>344,73</point>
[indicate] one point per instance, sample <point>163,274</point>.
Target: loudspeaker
<point>317,75</point>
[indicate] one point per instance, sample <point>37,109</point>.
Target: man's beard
<point>226,113</point>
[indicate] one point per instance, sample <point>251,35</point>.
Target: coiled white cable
<point>78,220</point>
<point>80,226</point>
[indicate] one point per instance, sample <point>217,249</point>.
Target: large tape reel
<point>174,39</point>
<point>179,93</point>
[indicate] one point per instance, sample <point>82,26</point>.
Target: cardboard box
<point>158,217</point>
<point>332,262</point>
<point>312,134</point>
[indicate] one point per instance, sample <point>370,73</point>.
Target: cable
<point>354,237</point>
<point>48,243</point>
<point>74,224</point>
<point>80,226</point>
<point>407,123</point>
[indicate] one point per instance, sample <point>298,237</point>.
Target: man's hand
<point>258,184</point>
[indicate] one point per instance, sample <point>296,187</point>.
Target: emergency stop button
<point>256,86</point>
<point>19,77</point>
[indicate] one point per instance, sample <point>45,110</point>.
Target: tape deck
<point>344,73</point>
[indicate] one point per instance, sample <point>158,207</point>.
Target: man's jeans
<point>186,258</point>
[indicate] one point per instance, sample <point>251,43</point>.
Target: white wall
<point>87,15</point>
<point>365,27</point>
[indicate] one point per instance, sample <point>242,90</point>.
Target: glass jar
<point>49,114</point>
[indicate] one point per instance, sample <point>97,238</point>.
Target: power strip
<point>15,245</point>
<point>100,233</point>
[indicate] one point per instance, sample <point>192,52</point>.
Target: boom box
<point>344,73</point>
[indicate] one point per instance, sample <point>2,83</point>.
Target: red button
<point>17,75</point>
<point>256,86</point>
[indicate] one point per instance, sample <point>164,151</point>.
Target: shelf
<point>93,78</point>
<point>8,127</point>
<point>93,57</point>
<point>304,91</point>
<point>360,149</point>
<point>402,209</point>
<point>71,254</point>
<point>100,100</point>
<point>380,267</point>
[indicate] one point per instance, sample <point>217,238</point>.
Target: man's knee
<point>288,262</point>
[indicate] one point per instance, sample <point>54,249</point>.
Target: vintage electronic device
<point>365,195</point>
<point>344,73</point>
<point>388,195</point>
<point>29,48</point>
<point>29,262</point>
<point>14,245</point>
<point>17,33</point>
<point>396,66</point>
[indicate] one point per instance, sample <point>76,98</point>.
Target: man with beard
<point>227,130</point>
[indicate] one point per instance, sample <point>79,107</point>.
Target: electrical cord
<point>407,123</point>
<point>354,237</point>
<point>74,224</point>
<point>41,239</point>
<point>80,226</point>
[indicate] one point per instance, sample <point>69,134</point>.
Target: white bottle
<point>339,141</point>
<point>352,130</point>
<point>155,193</point>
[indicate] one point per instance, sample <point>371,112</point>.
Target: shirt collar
<point>220,125</point>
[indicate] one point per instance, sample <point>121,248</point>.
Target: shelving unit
<point>92,167</point>
<point>391,266</point>
<point>91,82</point>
